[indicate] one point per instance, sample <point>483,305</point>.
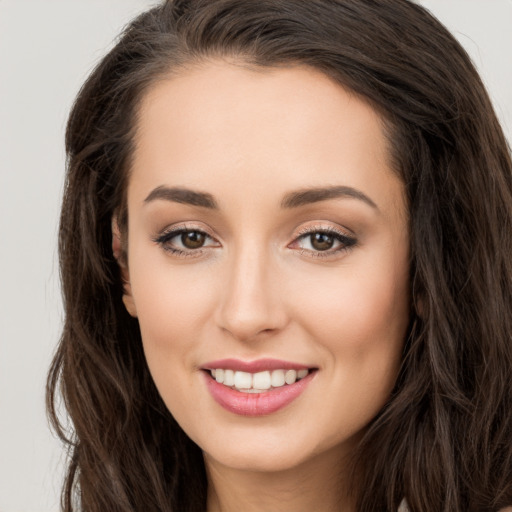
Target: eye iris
<point>322,241</point>
<point>192,239</point>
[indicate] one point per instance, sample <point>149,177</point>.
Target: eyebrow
<point>315,195</point>
<point>182,195</point>
<point>291,200</point>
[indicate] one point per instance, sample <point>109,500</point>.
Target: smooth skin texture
<point>254,281</point>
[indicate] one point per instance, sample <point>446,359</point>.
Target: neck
<point>316,485</point>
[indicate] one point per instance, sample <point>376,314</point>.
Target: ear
<point>120,256</point>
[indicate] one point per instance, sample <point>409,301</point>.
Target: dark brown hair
<point>444,439</point>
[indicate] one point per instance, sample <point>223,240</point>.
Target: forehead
<point>216,94</point>
<point>219,123</point>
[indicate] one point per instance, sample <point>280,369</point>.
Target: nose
<point>251,300</point>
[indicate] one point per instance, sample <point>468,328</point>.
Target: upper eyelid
<point>180,228</point>
<point>344,232</point>
<point>342,237</point>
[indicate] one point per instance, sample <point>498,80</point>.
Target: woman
<point>285,249</point>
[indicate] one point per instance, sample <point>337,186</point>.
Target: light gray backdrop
<point>47,47</point>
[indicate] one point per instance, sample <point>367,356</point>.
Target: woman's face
<point>267,242</point>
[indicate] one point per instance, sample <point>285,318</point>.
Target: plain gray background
<point>47,48</point>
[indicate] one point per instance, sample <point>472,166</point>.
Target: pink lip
<point>260,365</point>
<point>255,404</point>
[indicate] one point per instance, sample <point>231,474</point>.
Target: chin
<point>267,451</point>
<point>257,460</point>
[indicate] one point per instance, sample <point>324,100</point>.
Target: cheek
<point>361,325</point>
<point>359,311</point>
<point>360,317</point>
<point>174,307</point>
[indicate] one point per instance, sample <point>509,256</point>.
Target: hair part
<point>443,439</point>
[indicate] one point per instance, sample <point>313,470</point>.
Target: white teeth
<point>243,380</point>
<point>261,380</point>
<point>229,378</point>
<point>290,376</point>
<point>277,379</point>
<point>257,382</point>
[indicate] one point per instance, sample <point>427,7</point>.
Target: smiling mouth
<point>260,382</point>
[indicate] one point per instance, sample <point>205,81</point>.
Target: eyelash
<point>346,242</point>
<point>164,241</point>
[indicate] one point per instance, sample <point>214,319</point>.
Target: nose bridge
<point>250,304</point>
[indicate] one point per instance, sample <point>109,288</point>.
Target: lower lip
<point>256,404</point>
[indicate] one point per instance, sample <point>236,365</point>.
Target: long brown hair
<point>444,439</point>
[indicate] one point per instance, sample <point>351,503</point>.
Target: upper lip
<point>258,365</point>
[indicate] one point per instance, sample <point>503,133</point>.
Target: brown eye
<point>186,242</point>
<point>193,239</point>
<point>322,241</point>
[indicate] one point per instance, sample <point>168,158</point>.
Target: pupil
<point>322,241</point>
<point>192,239</point>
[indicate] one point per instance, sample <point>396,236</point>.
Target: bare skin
<point>295,490</point>
<point>245,265</point>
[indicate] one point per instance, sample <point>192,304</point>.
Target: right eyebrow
<point>182,195</point>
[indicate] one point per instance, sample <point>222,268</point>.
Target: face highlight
<point>268,261</point>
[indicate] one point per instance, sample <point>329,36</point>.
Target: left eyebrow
<point>315,195</point>
<point>182,195</point>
